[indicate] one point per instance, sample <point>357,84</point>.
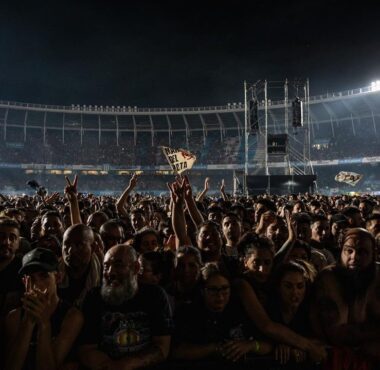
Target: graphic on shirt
<point>236,332</point>
<point>124,333</point>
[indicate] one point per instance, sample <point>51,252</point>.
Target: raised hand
<point>52,198</point>
<point>207,184</point>
<point>289,222</point>
<point>267,218</point>
<point>133,181</point>
<point>188,191</point>
<point>176,191</point>
<point>71,189</point>
<point>35,302</point>
<point>222,187</point>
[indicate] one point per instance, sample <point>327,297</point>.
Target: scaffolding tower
<point>264,121</point>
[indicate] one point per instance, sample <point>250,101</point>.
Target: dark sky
<point>154,53</point>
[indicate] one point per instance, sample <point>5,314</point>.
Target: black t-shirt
<point>72,289</point>
<point>128,328</point>
<point>195,324</point>
<point>182,296</point>
<point>300,322</point>
<point>11,287</point>
<point>260,289</point>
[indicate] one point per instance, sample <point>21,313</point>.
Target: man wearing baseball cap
<point>40,333</point>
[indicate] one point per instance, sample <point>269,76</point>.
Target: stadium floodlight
<point>375,85</point>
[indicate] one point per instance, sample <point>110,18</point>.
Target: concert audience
<point>93,282</point>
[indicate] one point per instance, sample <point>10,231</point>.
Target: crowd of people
<point>344,141</point>
<point>185,279</point>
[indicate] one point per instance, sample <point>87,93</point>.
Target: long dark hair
<point>302,267</point>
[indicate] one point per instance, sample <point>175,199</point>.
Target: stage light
<point>375,85</point>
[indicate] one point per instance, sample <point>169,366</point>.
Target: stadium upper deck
<point>339,122</point>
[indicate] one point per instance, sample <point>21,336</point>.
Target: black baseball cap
<point>39,259</point>
<point>338,218</point>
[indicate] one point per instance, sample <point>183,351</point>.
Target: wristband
<point>256,344</point>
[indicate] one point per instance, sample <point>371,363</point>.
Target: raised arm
<point>195,214</point>
<point>266,219</point>
<point>178,216</point>
<point>71,191</point>
<point>286,248</point>
<point>120,203</point>
<point>222,191</point>
<point>204,191</point>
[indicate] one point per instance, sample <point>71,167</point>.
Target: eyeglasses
<point>213,290</point>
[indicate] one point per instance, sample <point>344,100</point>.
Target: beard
<point>356,282</point>
<point>117,295</point>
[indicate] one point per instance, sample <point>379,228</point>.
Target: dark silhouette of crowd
<point>188,279</point>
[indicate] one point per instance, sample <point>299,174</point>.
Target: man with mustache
<point>346,304</point>
<point>127,326</point>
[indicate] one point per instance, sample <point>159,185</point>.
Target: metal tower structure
<point>264,125</point>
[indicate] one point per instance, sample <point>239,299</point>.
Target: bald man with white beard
<point>127,326</point>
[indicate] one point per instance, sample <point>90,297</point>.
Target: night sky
<point>154,53</point>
